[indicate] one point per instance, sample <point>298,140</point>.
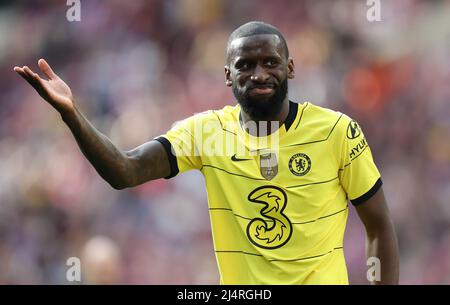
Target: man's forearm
<point>383,245</point>
<point>110,162</point>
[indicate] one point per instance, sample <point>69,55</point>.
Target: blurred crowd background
<point>135,67</point>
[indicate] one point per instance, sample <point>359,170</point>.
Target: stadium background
<point>135,67</point>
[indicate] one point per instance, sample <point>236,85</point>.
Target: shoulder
<point>321,121</point>
<point>345,133</point>
<point>324,124</point>
<point>226,114</point>
<point>219,118</point>
<point>322,114</point>
<point>339,124</point>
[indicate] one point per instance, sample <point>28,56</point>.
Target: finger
<point>45,67</point>
<point>20,71</point>
<point>23,73</point>
<point>33,78</point>
<point>28,71</point>
<point>25,76</point>
<point>30,74</point>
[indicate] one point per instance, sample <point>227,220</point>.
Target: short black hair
<point>256,28</point>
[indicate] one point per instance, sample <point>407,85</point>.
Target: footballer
<point>278,197</point>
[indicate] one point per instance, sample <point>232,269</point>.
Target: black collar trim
<point>293,109</point>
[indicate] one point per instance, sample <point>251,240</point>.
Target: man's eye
<point>270,63</point>
<point>243,66</point>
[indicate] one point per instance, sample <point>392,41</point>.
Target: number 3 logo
<point>279,230</point>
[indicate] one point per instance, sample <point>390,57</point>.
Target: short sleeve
<point>358,174</point>
<point>180,145</point>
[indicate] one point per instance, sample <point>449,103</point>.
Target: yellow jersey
<point>278,204</point>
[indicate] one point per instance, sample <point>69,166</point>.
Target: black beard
<point>262,110</point>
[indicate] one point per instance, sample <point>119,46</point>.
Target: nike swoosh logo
<point>233,158</point>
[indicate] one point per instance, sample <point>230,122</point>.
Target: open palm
<point>54,90</point>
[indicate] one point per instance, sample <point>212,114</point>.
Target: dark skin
<point>119,168</point>
<point>259,60</point>
<point>381,240</point>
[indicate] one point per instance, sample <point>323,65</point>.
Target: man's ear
<point>228,81</point>
<point>291,67</point>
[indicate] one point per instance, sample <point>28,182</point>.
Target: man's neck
<point>265,126</point>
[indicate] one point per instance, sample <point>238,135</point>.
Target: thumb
<point>45,67</point>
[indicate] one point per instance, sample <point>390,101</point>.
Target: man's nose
<point>259,75</point>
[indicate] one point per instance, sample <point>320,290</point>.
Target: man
<point>278,206</point>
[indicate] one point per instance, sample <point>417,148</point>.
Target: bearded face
<point>258,70</point>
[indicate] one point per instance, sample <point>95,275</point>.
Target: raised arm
<point>119,168</point>
<point>381,240</point>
